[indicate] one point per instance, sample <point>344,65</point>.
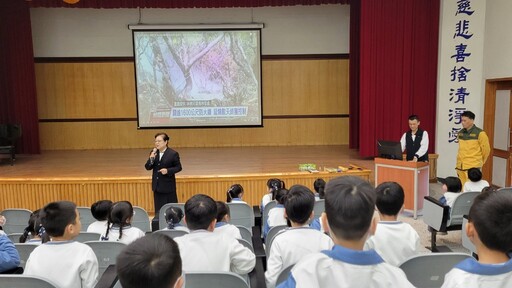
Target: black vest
<point>413,146</point>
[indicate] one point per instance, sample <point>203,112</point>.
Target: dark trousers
<point>160,200</point>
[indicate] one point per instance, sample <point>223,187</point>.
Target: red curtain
<point>180,3</point>
<point>18,101</point>
<point>397,69</point>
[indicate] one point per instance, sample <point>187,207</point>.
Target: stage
<point>85,176</point>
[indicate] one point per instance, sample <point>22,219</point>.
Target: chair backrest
<point>20,280</point>
<point>141,219</point>
<point>460,207</point>
<point>15,237</point>
<point>202,279</point>
<point>87,236</point>
<point>434,213</point>
<point>86,217</point>
<point>284,274</point>
<point>241,214</point>
<point>270,237</point>
<point>172,233</point>
<point>506,189</point>
<point>319,207</point>
<point>245,233</point>
<point>466,243</point>
<point>428,270</point>
<point>24,250</point>
<point>9,133</point>
<point>106,253</point>
<point>264,215</point>
<point>17,220</point>
<point>246,244</point>
<point>161,215</point>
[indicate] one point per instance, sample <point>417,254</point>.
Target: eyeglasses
<point>158,141</point>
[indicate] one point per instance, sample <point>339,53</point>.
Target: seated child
<point>349,207</point>
<point>9,257</point>
<point>34,233</point>
<point>2,223</point>
<point>222,225</point>
<point>276,214</point>
<point>203,250</point>
<point>99,211</point>
<point>119,226</point>
<point>63,261</point>
<point>273,185</point>
<point>150,261</point>
<point>475,183</point>
<point>291,245</point>
<point>451,188</point>
<point>173,216</point>
<point>235,194</point>
<point>319,186</point>
<point>393,240</point>
<point>490,231</point>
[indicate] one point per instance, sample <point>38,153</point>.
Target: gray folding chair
<point>161,215</point>
<point>283,276</point>
<point>172,233</point>
<point>241,214</point>
<point>87,236</point>
<point>264,215</point>
<point>106,253</point>
<point>17,220</point>
<point>24,250</point>
<point>141,219</point>
<point>86,217</point>
<point>466,243</point>
<point>245,233</point>
<point>319,207</point>
<point>15,237</point>
<point>428,270</point>
<point>214,279</point>
<point>270,237</point>
<point>20,280</point>
<point>246,244</point>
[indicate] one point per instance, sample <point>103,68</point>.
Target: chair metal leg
<point>13,156</point>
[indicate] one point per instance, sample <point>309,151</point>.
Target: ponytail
<point>235,191</point>
<point>26,232</point>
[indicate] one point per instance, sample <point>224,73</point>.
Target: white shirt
<point>65,263</point>
<point>264,201</point>
<point>394,241</point>
<point>291,245</point>
<point>98,227</point>
<point>130,234</point>
<point>471,186</point>
<point>450,197</point>
<point>227,229</point>
<point>276,216</point>
<point>202,250</point>
<point>345,268</point>
<point>471,274</point>
<point>423,144</point>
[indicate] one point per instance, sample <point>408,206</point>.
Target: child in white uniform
<point>99,211</point>
<point>173,216</point>
<point>34,233</point>
<point>490,231</point>
<point>119,224</point>
<point>475,182</point>
<point>222,226</point>
<point>393,240</point>
<point>235,194</point>
<point>273,185</point>
<point>63,261</point>
<point>319,186</point>
<point>276,214</point>
<point>203,250</point>
<point>349,207</point>
<point>293,244</point>
<point>451,187</point>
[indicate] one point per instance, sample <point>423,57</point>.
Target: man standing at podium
<point>415,141</point>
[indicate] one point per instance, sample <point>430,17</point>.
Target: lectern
<point>412,176</point>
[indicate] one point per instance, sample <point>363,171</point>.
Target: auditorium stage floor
<point>129,163</point>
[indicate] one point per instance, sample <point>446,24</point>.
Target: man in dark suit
<point>165,163</point>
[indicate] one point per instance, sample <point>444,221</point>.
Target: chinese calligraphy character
<point>459,74</point>
<point>461,94</point>
<point>464,6</point>
<point>454,115</point>
<point>461,29</point>
<point>460,55</point>
<point>452,135</point>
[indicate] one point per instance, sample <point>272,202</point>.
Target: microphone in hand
<point>152,155</point>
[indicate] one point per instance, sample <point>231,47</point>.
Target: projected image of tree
<point>198,77</point>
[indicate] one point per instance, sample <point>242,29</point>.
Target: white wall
<point>64,32</point>
<point>498,40</point>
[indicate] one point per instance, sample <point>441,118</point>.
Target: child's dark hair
<point>222,210</point>
<point>235,191</point>
<point>474,174</point>
<point>150,261</point>
<point>100,209</point>
<point>299,204</point>
<point>453,184</point>
<point>349,205</point>
<point>274,185</point>
<point>491,214</point>
<point>281,196</point>
<point>173,216</point>
<point>390,198</point>
<point>200,211</point>
<point>35,227</point>
<point>120,215</point>
<point>319,186</point>
<point>56,216</point>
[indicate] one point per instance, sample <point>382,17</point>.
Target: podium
<point>412,176</point>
